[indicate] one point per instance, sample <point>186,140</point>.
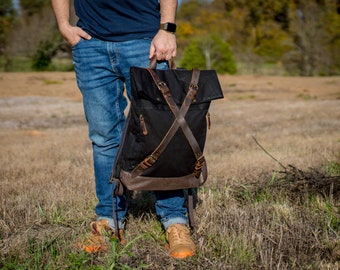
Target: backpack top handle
<point>153,63</point>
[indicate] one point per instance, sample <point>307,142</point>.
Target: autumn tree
<point>315,30</point>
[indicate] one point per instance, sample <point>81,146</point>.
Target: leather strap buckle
<point>148,162</point>
<point>198,166</point>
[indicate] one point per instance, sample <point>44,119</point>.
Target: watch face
<point>170,27</point>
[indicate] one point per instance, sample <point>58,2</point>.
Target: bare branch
<point>264,150</point>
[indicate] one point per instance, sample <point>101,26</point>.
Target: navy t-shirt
<point>118,20</point>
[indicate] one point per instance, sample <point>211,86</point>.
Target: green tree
<point>209,53</point>
<point>193,56</point>
<point>42,58</point>
<point>223,58</point>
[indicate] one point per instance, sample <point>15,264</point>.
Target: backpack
<point>165,131</point>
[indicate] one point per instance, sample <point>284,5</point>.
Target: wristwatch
<point>168,26</point>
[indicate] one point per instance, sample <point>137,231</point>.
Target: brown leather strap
<point>158,183</point>
<point>191,208</point>
<point>153,157</point>
<point>201,163</point>
<point>114,212</point>
<point>162,183</point>
<point>153,63</point>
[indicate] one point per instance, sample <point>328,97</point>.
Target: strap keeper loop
<point>194,85</point>
<point>161,83</point>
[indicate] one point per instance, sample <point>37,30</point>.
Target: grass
<point>239,226</point>
<point>251,214</point>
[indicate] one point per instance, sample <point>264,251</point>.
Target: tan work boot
<point>97,239</point>
<point>180,244</point>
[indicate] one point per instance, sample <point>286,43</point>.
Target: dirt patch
<point>278,88</point>
<point>39,112</point>
<point>63,84</point>
<point>44,84</point>
<point>52,99</point>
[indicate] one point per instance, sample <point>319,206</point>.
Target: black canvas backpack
<point>165,131</point>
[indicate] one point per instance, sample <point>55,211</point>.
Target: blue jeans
<point>103,72</point>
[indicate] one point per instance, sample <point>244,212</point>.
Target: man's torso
<point>118,20</point>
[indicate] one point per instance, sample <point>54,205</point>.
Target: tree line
<point>301,37</point>
<point>29,33</point>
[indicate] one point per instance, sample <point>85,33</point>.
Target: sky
<point>16,3</point>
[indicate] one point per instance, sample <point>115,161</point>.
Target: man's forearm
<point>61,10</point>
<point>168,10</point>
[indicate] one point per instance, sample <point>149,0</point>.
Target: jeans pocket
<point>81,40</point>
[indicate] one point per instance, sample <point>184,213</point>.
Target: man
<point>109,38</point>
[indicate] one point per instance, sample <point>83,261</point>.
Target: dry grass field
<point>271,201</point>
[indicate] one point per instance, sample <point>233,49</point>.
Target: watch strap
<point>168,26</point>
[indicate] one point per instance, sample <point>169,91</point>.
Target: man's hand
<point>163,46</point>
<point>73,34</point>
